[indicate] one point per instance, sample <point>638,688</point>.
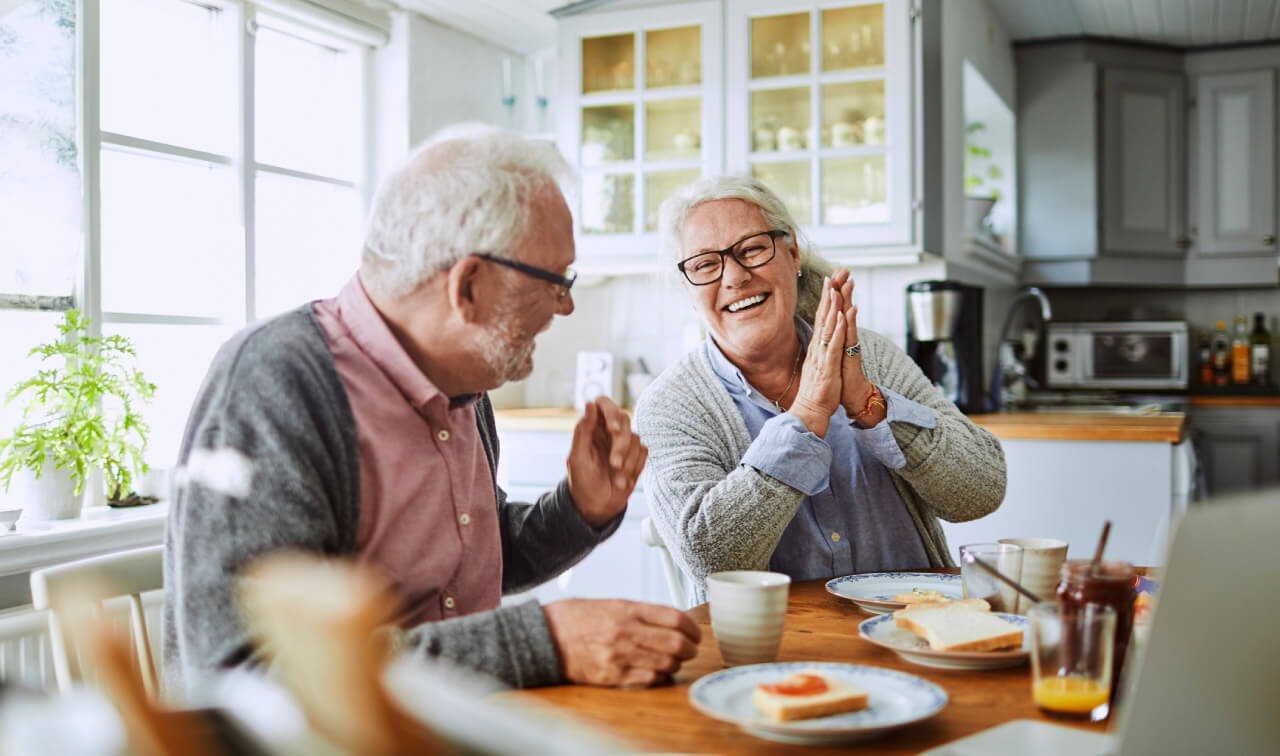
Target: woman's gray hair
<point>674,212</point>
<point>469,188</point>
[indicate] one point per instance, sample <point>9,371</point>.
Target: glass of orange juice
<point>1071,659</point>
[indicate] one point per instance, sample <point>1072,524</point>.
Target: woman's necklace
<point>795,370</point>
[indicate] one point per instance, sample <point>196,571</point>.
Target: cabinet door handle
<point>1269,239</point>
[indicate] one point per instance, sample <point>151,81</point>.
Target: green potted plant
<point>81,415</point>
<point>979,169</point>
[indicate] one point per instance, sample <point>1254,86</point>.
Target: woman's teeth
<point>742,304</point>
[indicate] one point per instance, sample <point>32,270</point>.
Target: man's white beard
<point>508,356</point>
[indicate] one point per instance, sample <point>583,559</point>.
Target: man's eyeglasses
<point>708,267</point>
<point>563,283</point>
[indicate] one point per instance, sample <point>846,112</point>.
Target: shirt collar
<point>731,376</point>
<point>374,338</point>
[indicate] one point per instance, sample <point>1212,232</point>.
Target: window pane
<point>854,191</point>
<point>673,129</point>
<point>39,180</point>
<point>608,133</point>
<point>308,241</point>
<point>608,203</point>
<point>608,63</point>
<point>169,73</point>
<point>657,187</point>
<point>780,45</point>
<point>673,57</point>
<point>171,240</point>
<point>853,37</point>
<point>307,106</point>
<point>853,113</point>
<point>790,181</point>
<point>175,358</point>
<point>780,118</point>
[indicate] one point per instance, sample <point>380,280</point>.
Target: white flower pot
<point>52,496</point>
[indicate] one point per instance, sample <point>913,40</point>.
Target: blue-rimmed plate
<point>894,699</point>
<point>911,647</point>
<point>874,591</point>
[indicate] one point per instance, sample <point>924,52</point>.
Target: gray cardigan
<point>717,514</point>
<point>274,400</point>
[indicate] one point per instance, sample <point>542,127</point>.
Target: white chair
<point>676,582</point>
<point>128,573</point>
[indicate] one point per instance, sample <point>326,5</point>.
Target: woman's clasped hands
<point>831,374</point>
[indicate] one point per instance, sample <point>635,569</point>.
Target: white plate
<point>874,591</point>
<point>911,647</point>
<point>894,699</point>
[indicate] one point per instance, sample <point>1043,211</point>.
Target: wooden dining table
<point>819,627</point>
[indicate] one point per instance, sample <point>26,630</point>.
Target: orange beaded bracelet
<point>876,399</point>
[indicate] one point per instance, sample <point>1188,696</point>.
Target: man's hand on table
<point>620,643</point>
<point>605,460</point>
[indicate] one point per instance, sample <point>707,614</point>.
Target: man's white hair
<point>469,188</point>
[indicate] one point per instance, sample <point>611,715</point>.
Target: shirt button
<point>448,602</point>
<point>464,518</point>
<point>443,435</point>
<point>835,537</point>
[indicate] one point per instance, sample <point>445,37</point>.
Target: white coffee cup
<point>1042,558</point>
<point>748,609</point>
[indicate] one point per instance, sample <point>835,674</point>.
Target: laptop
<point>1210,671</point>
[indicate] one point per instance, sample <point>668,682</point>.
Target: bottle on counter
<point>1204,363</point>
<point>1221,355</point>
<point>1240,353</point>
<point>1260,352</point>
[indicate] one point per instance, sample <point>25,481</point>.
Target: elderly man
<point>358,426</point>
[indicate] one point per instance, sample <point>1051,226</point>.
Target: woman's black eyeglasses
<point>753,251</point>
<point>563,283</point>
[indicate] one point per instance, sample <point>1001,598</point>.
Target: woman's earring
<point>799,273</point>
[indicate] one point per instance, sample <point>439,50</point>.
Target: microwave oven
<point>1134,355</point>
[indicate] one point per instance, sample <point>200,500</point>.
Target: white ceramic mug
<point>748,608</point>
<point>1041,560</point>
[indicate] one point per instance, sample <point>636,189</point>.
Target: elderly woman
<point>815,450</point>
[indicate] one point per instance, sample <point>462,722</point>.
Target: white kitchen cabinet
<point>640,113</point>
<point>532,462</point>
<point>1236,186</point>
<point>818,105</point>
<point>1238,447</point>
<point>1143,162</point>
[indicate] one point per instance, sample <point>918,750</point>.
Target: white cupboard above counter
<point>816,99</point>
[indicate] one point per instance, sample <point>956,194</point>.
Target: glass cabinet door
<point>644,119</point>
<point>825,116</point>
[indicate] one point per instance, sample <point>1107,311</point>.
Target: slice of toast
<point>839,698</point>
<point>966,625</point>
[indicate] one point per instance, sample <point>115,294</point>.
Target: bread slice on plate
<point>966,625</point>
<point>829,697</point>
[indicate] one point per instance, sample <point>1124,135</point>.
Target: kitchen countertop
<point>1234,401</point>
<point>1165,427</point>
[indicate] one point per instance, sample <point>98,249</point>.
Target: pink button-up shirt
<point>428,517</point>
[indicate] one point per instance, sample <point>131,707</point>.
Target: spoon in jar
<point>1102,544</point>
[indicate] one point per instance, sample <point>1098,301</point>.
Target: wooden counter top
<point>1234,401</point>
<point>1168,428</point>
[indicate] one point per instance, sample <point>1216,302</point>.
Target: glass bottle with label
<point>1221,355</point>
<point>1240,353</point>
<point>1205,362</point>
<point>1260,352</point>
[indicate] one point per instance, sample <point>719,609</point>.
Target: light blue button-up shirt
<point>852,518</point>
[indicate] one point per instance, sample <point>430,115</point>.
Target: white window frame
<point>292,16</point>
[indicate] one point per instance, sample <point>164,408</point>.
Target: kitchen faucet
<point>1009,378</point>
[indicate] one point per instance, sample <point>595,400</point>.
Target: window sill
<point>98,531</point>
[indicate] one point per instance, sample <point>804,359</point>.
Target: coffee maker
<point>944,337</point>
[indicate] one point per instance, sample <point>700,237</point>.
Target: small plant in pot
<point>81,415</point>
<point>979,169</point>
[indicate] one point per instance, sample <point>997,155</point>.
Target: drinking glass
<point>1006,558</point>
<point>1071,660</point>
